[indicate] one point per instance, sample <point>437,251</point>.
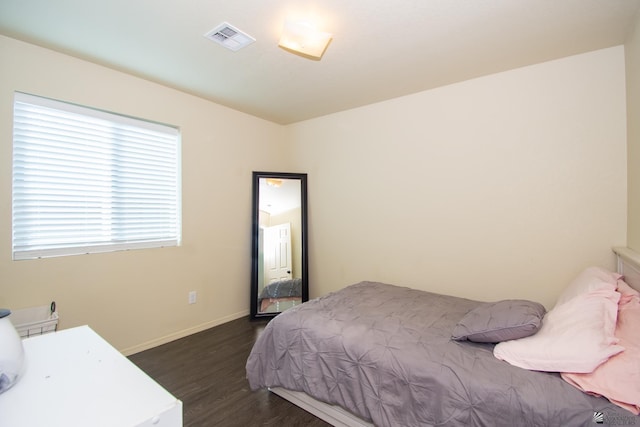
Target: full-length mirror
<point>279,275</point>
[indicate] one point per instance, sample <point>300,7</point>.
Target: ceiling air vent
<point>229,36</point>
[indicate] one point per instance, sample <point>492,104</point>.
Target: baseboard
<point>181,334</point>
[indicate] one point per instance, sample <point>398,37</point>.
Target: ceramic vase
<point>11,352</point>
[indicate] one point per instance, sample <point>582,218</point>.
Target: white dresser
<point>75,378</point>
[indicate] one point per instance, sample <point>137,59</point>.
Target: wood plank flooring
<point>207,372</point>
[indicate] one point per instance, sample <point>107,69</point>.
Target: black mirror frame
<point>255,231</point>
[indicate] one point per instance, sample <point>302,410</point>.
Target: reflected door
<point>277,253</point>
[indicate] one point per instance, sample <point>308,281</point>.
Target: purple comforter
<point>385,354</point>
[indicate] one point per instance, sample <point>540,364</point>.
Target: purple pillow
<point>500,321</point>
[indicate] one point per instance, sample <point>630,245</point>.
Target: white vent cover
<point>229,36</point>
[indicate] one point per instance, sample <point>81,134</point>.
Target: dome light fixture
<point>304,39</point>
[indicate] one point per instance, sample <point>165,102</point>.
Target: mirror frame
<point>255,234</point>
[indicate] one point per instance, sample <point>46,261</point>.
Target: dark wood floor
<point>207,372</point>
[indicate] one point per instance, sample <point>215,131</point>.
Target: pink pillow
<point>575,336</point>
<point>618,379</point>
<point>626,293</point>
<point>591,279</point>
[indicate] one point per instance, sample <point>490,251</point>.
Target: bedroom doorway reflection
<point>279,266</point>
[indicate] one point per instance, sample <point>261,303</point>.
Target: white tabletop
<point>75,378</point>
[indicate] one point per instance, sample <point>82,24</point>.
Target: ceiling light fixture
<point>302,38</point>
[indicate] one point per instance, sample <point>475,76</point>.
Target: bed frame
<point>334,415</point>
<point>628,264</point>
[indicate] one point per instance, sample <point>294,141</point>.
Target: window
<point>87,181</point>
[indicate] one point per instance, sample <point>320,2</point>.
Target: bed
<point>384,355</point>
<point>280,295</point>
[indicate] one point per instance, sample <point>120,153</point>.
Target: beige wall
<point>499,187</point>
<point>504,186</point>
<point>139,298</point>
<point>632,55</point>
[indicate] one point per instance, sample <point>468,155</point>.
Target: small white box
<point>35,321</point>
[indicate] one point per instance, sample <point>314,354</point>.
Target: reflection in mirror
<point>279,259</point>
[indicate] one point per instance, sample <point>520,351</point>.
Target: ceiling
<point>381,49</point>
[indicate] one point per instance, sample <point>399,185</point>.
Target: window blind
<point>87,181</point>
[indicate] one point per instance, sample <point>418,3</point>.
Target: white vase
<point>11,352</point>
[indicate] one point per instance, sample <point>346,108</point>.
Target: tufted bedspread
<point>385,354</point>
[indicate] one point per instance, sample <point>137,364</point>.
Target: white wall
<point>504,186</point>
<point>139,298</point>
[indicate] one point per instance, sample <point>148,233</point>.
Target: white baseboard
<point>181,334</point>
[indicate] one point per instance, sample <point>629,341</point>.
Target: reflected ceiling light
<point>303,39</point>
<point>274,182</point>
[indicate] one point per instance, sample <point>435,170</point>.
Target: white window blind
<point>87,181</point>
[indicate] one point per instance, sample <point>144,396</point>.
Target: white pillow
<point>591,279</point>
<point>576,336</point>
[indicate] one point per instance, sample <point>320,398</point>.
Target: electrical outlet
<point>192,297</point>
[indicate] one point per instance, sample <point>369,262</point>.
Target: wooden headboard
<point>629,265</point>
